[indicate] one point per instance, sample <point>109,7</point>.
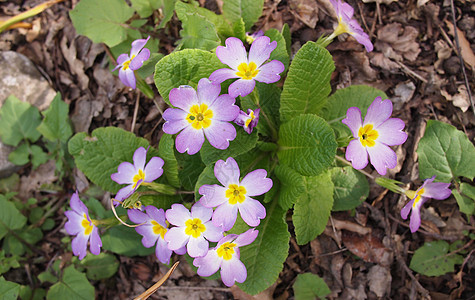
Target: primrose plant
<point>256,114</point>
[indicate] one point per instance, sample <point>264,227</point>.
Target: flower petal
<point>220,133</point>
<point>382,157</point>
<point>156,214</point>
<point>227,172</point>
<point>224,109</point>
<point>356,153</point>
<point>137,45</point>
<point>73,225</point>
<point>121,59</point>
<point>208,91</point>
<point>353,120</point>
<point>209,264</point>
<point>256,182</point>
<point>221,75</point>
<point>127,77</point>
<point>213,195</point>
<point>125,173</point>
<point>176,238</point>
<point>149,237</point>
<point>213,233</point>
<point>225,216</point>
<point>137,216</point>
<point>95,241</point>
<point>197,247</point>
<point>138,61</point>
<point>261,49</point>
<point>241,87</point>
<point>183,97</point>
<point>378,112</point>
<point>140,156</point>
<point>162,252</point>
<point>269,73</point>
<point>252,211</point>
<point>153,169</point>
<point>189,140</point>
<point>233,54</point>
<point>390,132</point>
<point>79,245</point>
<point>233,270</point>
<point>415,221</point>
<point>175,120</point>
<point>201,212</point>
<point>247,237</point>
<point>178,215</point>
<point>406,209</point>
<point>125,192</point>
<point>77,205</point>
<point>437,190</point>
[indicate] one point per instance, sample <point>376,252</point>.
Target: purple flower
<point>200,113</point>
<point>346,24</point>
<point>248,121</point>
<point>429,189</point>
<point>226,256</point>
<point>374,136</point>
<point>235,195</point>
<point>80,224</point>
<point>193,229</point>
<point>128,64</point>
<point>248,70</point>
<point>137,173</point>
<point>251,37</point>
<point>153,231</point>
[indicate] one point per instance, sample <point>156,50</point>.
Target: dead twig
<point>155,287</point>
<point>136,111</point>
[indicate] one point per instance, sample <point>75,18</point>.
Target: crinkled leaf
<point>288,38</point>
<point>189,168</point>
<point>99,155</point>
<point>310,286</point>
<point>312,209</point>
<point>308,82</point>
<point>18,121</point>
<point>102,21</point>
<point>170,168</point>
<point>307,145</point>
<point>432,259</point>
<point>10,217</point>
<point>100,266</point>
<point>73,285</point>
<point>351,188</point>
<point>124,241</point>
<point>56,124</point>
<point>8,290</point>
<point>292,185</point>
<point>241,144</point>
<point>160,200</point>
<point>465,199</point>
<point>145,8</point>
<point>445,152</point>
<point>264,258</point>
<point>184,67</point>
<point>248,10</point>
<point>197,32</point>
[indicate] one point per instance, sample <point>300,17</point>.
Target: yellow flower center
<point>248,121</point>
<point>87,225</point>
<point>137,177</point>
<point>236,193</point>
<point>126,64</point>
<point>342,28</point>
<point>158,229</point>
<point>367,135</point>
<point>226,250</point>
<point>194,227</point>
<point>200,116</point>
<point>415,195</point>
<point>247,71</point>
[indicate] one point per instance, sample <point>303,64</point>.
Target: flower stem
<point>348,163</point>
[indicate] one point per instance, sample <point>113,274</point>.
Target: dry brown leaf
<point>460,99</point>
<point>444,51</point>
<point>44,175</point>
<point>379,280</point>
<point>465,49</point>
<point>387,2</point>
<point>75,65</point>
<point>305,10</point>
<point>367,247</point>
<point>264,295</point>
<point>403,92</point>
<point>397,42</point>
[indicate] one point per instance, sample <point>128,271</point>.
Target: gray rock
<point>20,77</point>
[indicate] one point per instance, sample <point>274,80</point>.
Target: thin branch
<point>155,287</point>
<point>136,111</point>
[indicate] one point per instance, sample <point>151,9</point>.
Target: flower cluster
<point>128,64</point>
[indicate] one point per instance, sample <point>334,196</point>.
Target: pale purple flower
<point>248,121</point>
<point>153,231</point>
<point>374,136</point>
<point>198,114</point>
<point>192,229</point>
<point>248,70</point>
<point>128,64</point>
<point>225,256</point>
<point>429,189</point>
<point>346,24</point>
<point>252,37</point>
<point>136,174</point>
<point>82,226</point>
<point>235,195</point>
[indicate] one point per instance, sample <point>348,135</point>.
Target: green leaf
<point>160,200</point>
<point>239,29</point>
<point>148,67</point>
<point>308,82</point>
<point>310,286</point>
<point>102,21</point>
<point>184,67</point>
<point>280,52</point>
<point>18,121</point>
<point>145,8</point>
<point>432,259</point>
<point>99,155</point>
<point>168,9</point>
<point>351,188</point>
<point>446,152</point>
<point>465,199</point>
<point>206,177</point>
<point>189,168</point>
<point>288,38</point>
<point>73,285</point>
<point>335,109</point>
<point>38,156</point>
<point>197,32</point>
<point>312,209</point>
<point>292,185</point>
<point>264,258</point>
<point>166,151</point>
<point>307,144</point>
<point>20,156</point>
<point>7,263</point>
<point>47,276</point>
<point>55,125</point>
<point>8,290</point>
<point>125,241</point>
<point>10,217</point>
<point>100,266</point>
<point>243,142</point>
<point>26,293</point>
<point>248,10</point>
<point>14,246</point>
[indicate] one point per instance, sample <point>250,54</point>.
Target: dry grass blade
<point>155,287</point>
